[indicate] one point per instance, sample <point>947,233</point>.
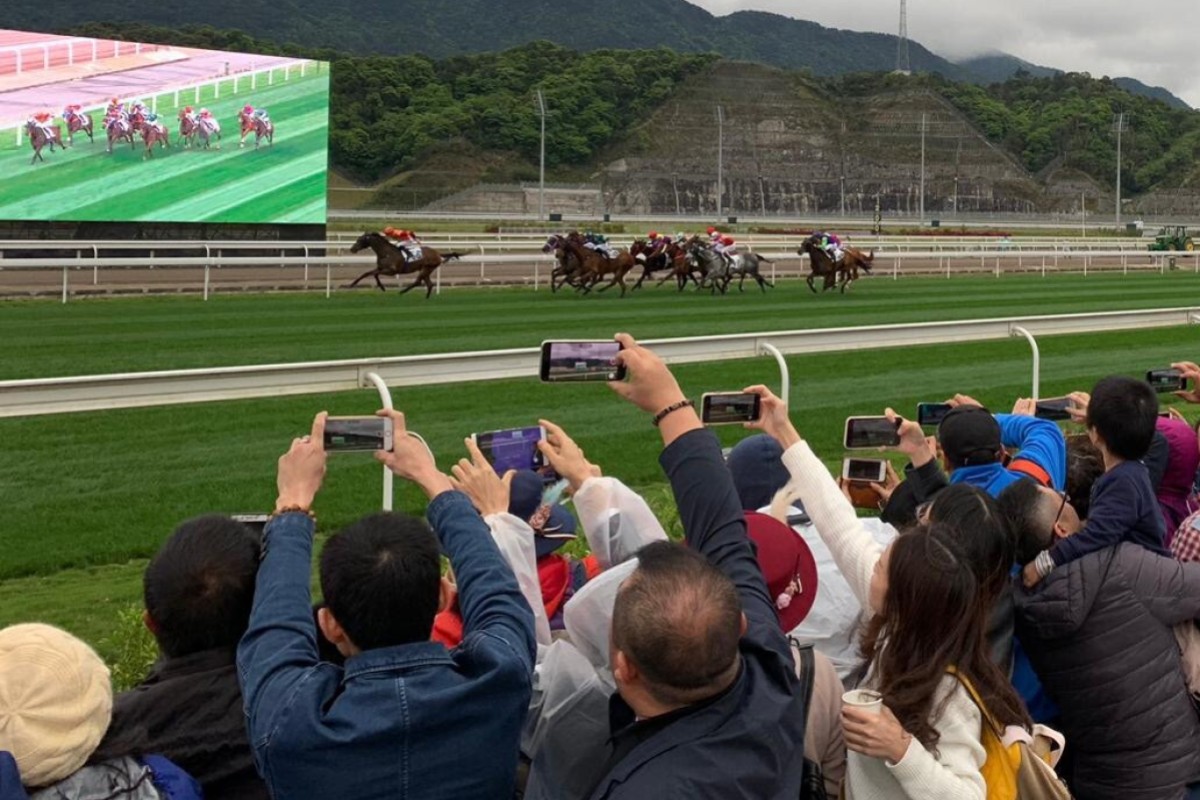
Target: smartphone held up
<point>358,434</point>
<point>871,433</point>
<point>729,408</point>
<point>515,448</point>
<point>580,361</point>
<point>1166,380</point>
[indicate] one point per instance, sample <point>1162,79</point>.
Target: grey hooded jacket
<point>1098,633</point>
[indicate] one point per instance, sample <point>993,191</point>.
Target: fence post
<point>1017,330</point>
<point>328,281</point>
<point>306,267</point>
<point>482,261</point>
<point>207,262</point>
<point>95,266</point>
<point>772,350</point>
<point>385,397</point>
<point>535,275</point>
<point>64,292</point>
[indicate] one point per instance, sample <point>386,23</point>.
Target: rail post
<point>1017,330</point>
<point>306,267</point>
<point>385,397</point>
<point>95,266</point>
<point>207,265</point>
<point>328,280</point>
<point>766,348</point>
<point>64,291</point>
<point>536,272</point>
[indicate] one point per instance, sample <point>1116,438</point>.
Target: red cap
<point>711,230</point>
<point>726,240</point>
<point>787,565</point>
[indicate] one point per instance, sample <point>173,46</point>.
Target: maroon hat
<point>788,566</point>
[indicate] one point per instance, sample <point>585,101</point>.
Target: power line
<point>902,62</point>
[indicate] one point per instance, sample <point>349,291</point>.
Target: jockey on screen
<point>115,109</point>
<point>832,245</point>
<point>407,241</point>
<point>45,121</point>
<point>72,112</point>
<point>189,114</point>
<point>727,249</point>
<point>598,242</point>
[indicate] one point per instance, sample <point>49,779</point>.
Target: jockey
<point>189,114</point>
<point>657,243</point>
<point>71,112</point>
<point>406,240</point>
<point>45,121</point>
<point>115,108</point>
<point>726,248</point>
<point>714,236</point>
<point>832,245</point>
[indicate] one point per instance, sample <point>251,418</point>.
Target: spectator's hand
<point>1079,406</point>
<point>410,458</point>
<point>651,386</point>
<point>1025,407</point>
<point>566,456</point>
<point>1191,372</point>
<point>477,479</point>
<point>1030,576</point>
<point>884,490</point>
<point>913,442</point>
<point>875,735</point>
<point>302,469</point>
<point>963,400</point>
<point>773,417</point>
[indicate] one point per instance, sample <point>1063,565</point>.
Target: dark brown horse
<point>391,260</point>
<point>154,133</point>
<point>38,138</point>
<point>823,265</point>
<point>596,266</point>
<point>118,129</point>
<point>567,267</point>
<point>78,121</point>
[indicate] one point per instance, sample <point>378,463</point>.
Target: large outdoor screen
<point>152,133</point>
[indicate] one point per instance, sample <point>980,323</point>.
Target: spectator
<point>1098,629</point>
<point>1084,466</point>
<point>55,703</point>
<point>928,614</point>
<point>1183,459</point>
<point>707,692</point>
<point>1121,417</point>
<point>974,442</point>
<point>197,590</point>
<point>403,715</point>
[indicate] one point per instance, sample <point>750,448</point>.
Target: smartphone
<point>728,408</point>
<point>1054,408</point>
<point>580,361</point>
<point>515,448</point>
<point>867,433</point>
<point>255,522</point>
<point>350,434</point>
<point>864,470</point>
<point>932,414</point>
<point>1166,380</point>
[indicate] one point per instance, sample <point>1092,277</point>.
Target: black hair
<point>380,578</point>
<point>199,586</point>
<point>1030,517</point>
<point>983,532</point>
<point>1124,413</point>
<point>679,620</point>
<point>1085,465</point>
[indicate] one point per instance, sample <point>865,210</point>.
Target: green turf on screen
<point>284,182</point>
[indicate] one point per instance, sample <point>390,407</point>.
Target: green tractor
<point>1173,238</point>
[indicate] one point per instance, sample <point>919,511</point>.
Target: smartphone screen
<point>580,361</point>
<point>1054,408</point>
<point>1165,380</point>
<point>727,408</point>
<point>515,448</point>
<point>866,470</point>
<point>932,414</point>
<point>870,432</point>
<point>349,434</point>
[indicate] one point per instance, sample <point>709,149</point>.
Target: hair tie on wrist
<point>660,416</point>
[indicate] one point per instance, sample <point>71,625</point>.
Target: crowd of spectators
<point>1024,591</point>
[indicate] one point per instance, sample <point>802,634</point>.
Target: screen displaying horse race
<point>93,130</point>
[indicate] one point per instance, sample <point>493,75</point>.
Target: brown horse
<point>596,265</point>
<point>823,265</point>
<point>261,128</point>
<point>119,130</point>
<point>38,138</point>
<point>567,267</point>
<point>154,133</point>
<point>683,268</point>
<point>189,126</point>
<point>79,121</point>
<point>391,260</point>
<point>652,262</point>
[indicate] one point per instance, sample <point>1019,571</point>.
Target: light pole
<point>542,160</point>
<point>1120,129</point>
<point>922,200</point>
<point>720,159</point>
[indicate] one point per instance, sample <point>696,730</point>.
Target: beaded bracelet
<point>660,416</point>
<point>295,510</point>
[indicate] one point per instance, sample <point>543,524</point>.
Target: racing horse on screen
<point>118,129</point>
<point>391,260</point>
<point>256,121</point>
<point>154,133</point>
<point>77,121</point>
<point>41,136</point>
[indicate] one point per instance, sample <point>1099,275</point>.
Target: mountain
<point>999,67</point>
<point>1153,92</point>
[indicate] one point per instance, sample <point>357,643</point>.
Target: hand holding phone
<point>358,434</point>
<point>871,433</point>
<point>864,470</point>
<point>730,408</point>
<point>1166,380</point>
<point>1053,408</point>
<point>514,448</point>
<point>930,415</point>
<point>580,361</point>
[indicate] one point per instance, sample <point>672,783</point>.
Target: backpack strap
<point>991,721</point>
<point>807,664</point>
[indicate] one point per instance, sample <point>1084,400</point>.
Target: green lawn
<point>43,338</point>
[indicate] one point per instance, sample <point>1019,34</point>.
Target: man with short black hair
<point>198,589</point>
<point>404,717</point>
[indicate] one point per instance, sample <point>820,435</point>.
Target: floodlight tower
<point>902,63</point>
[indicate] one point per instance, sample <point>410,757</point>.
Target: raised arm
<point>1041,448</point>
<point>1111,516</point>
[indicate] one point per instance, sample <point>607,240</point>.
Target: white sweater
<point>954,773</point>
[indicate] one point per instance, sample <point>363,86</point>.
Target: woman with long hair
<point>928,596</point>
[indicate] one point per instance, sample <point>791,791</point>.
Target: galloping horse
<point>748,264</point>
<point>38,138</point>
<point>189,126</point>
<point>263,129</point>
<point>118,130</point>
<point>823,265</point>
<point>714,270</point>
<point>207,129</point>
<point>391,260</point>
<point>79,121</point>
<point>651,262</point>
<point>154,133</point>
<point>567,267</point>
<point>597,265</point>
<point>683,266</point>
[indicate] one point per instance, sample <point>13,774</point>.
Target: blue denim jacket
<point>414,720</point>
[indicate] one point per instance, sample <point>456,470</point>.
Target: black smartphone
<point>932,414</point>
<point>729,408</point>
<point>865,433</point>
<point>1054,408</point>
<point>1166,380</point>
<point>864,470</point>
<point>515,448</point>
<point>580,361</point>
<point>351,434</point>
<point>255,522</point>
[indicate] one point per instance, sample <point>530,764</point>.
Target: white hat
<point>55,701</point>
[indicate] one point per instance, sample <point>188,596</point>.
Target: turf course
<point>44,338</point>
<point>285,182</point>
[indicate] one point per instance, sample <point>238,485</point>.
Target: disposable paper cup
<point>864,699</point>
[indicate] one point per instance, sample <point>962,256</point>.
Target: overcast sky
<point>1155,41</point>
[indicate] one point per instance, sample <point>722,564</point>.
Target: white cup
<point>864,700</point>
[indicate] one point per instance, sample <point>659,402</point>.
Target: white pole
<point>1017,330</point>
<point>720,160</point>
<point>385,397</point>
<point>922,200</point>
<point>542,159</point>
<point>1120,126</point>
<point>328,282</point>
<point>64,292</point>
<point>785,380</point>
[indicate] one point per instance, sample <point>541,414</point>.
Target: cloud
<point>1153,40</point>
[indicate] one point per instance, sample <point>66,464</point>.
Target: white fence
<point>90,50</point>
<point>131,390</point>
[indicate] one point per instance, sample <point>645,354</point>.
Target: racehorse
<point>683,266</point>
<point>652,262</point>
<point>79,121</point>
<point>596,265</point>
<point>154,133</point>
<point>748,264</point>
<point>263,129</point>
<point>118,130</point>
<point>567,266</point>
<point>823,265</point>
<point>714,270</point>
<point>188,128</point>
<point>38,138</point>
<point>391,260</point>
<point>207,129</point>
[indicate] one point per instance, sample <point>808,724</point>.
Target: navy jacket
<point>399,722</point>
<point>1123,508</point>
<point>749,741</point>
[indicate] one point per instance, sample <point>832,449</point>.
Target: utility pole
<point>1083,212</point>
<point>1120,130</point>
<point>922,203</point>
<point>542,160</point>
<point>720,160</point>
